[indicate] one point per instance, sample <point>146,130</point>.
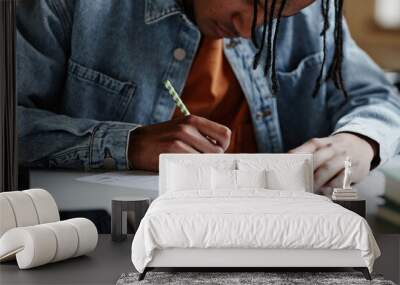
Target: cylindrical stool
<point>120,208</point>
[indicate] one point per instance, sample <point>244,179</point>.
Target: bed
<point>247,211</point>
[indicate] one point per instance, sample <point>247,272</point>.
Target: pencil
<point>176,98</point>
<point>179,103</point>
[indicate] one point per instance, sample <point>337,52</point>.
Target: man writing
<point>90,87</point>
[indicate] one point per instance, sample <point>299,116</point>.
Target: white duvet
<point>250,218</point>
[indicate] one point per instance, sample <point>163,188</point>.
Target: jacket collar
<point>157,10</point>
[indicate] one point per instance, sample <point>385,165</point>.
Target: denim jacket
<point>89,72</point>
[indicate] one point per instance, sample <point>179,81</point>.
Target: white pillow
<point>292,179</point>
<point>224,179</point>
<point>227,179</point>
<point>182,177</point>
<point>282,173</point>
<point>251,178</point>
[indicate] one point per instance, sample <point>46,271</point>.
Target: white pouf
<point>45,205</point>
<point>7,216</point>
<point>41,244</point>
<point>31,231</point>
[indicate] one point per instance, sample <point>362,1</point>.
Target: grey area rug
<point>268,278</point>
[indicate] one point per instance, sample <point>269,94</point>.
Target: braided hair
<point>335,70</point>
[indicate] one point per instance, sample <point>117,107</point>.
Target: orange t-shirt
<point>213,92</point>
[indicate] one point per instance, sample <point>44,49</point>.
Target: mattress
<point>250,219</point>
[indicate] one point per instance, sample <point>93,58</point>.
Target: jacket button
<point>263,114</point>
<point>179,54</point>
<point>267,113</point>
<point>233,43</point>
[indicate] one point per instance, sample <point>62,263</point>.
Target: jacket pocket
<point>297,85</point>
<point>302,116</point>
<point>306,71</point>
<point>95,95</point>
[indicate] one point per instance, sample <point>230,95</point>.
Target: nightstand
<point>356,206</point>
<point>120,208</point>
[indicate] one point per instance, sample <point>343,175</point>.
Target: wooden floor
<point>389,262</point>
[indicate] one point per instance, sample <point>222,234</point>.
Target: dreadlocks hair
<point>272,27</point>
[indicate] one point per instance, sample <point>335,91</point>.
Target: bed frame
<point>256,259</point>
<point>236,259</point>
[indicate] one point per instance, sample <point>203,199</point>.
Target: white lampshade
<point>387,13</point>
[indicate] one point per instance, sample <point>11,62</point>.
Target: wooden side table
<point>119,216</point>
<point>356,206</point>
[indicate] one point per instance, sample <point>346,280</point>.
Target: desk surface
<point>103,266</point>
<point>72,194</point>
<point>106,264</point>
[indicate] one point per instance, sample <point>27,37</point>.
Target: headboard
<point>232,161</point>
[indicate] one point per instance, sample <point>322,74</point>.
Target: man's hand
<point>330,154</point>
<point>191,134</point>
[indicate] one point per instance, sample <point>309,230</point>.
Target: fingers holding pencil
<point>215,133</point>
<point>181,135</point>
<point>190,134</point>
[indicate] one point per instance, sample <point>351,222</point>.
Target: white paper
<point>138,180</point>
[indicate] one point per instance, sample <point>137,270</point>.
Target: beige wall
<point>382,45</point>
